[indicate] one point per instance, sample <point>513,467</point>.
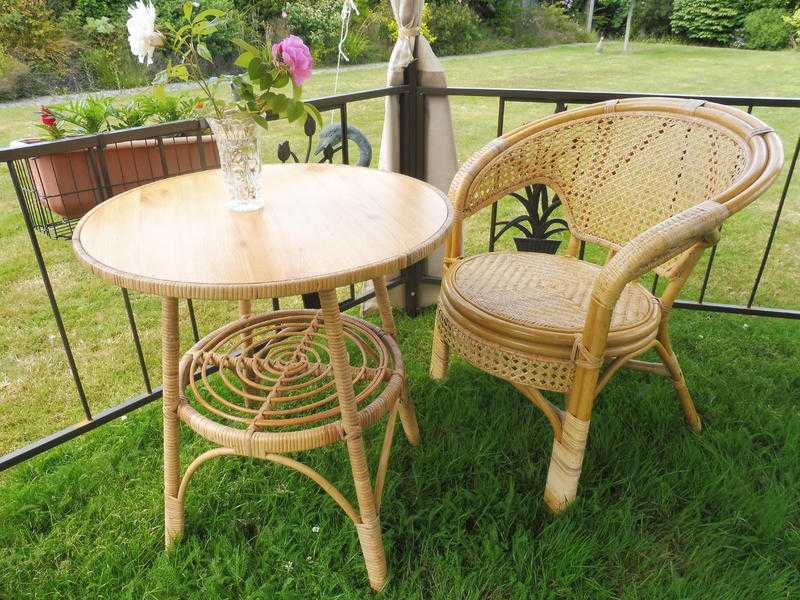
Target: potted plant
<point>256,95</point>
<point>541,224</point>
<point>69,183</point>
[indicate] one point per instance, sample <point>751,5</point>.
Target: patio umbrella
<point>440,158</point>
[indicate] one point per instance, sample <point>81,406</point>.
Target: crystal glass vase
<point>240,160</point>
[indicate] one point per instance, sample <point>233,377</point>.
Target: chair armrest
<point>655,246</point>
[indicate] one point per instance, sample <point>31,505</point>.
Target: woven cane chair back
<point>621,167</point>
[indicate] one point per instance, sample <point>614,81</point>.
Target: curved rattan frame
<point>671,248</point>
<point>340,416</point>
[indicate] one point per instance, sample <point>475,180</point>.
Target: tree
<point>628,24</point>
<point>589,15</point>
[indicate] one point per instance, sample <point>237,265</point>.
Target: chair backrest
<point>622,166</point>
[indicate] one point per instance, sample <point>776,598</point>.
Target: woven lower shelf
<point>265,383</point>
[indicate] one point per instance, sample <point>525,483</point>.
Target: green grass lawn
<point>663,513</point>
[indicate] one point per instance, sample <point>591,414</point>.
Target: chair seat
<point>534,306</point>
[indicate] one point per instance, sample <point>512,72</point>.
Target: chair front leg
<point>566,461</point>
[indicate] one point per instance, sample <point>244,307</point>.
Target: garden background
<point>60,46</point>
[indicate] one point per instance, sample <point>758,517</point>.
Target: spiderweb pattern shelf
<point>265,383</point>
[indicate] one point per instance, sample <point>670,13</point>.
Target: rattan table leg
<point>170,347</point>
<point>408,413</point>
<point>245,310</point>
<point>369,529</point>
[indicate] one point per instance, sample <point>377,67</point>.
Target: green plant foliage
<point>87,116</point>
<point>794,22</point>
<point>547,25</point>
<point>651,17</point>
<point>317,22</point>
<point>454,26</point>
<point>766,29</point>
<point>13,74</point>
<point>160,107</point>
<point>28,31</point>
<point>708,21</point>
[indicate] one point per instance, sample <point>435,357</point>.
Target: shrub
<point>794,23</point>
<point>708,21</point>
<point>389,24</point>
<point>455,28</point>
<point>12,76</point>
<point>651,17</point>
<point>317,22</point>
<point>221,46</point>
<point>766,29</point>
<point>27,30</point>
<point>551,25</point>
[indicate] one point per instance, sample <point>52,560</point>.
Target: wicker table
<point>323,227</point>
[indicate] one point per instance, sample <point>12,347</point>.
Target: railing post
<point>412,162</point>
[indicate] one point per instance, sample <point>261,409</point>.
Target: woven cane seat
<point>265,383</point>
<point>532,307</point>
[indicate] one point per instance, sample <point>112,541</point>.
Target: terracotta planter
<point>71,183</point>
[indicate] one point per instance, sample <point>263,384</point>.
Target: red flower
<point>47,117</point>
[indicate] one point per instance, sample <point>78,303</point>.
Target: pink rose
<point>293,53</point>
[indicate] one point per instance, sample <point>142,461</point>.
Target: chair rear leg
<point>664,349</point>
<point>440,352</point>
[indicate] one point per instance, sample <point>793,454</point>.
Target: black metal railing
<point>561,100</point>
<point>107,163</point>
<point>56,182</point>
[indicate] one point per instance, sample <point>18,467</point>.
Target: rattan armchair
<point>649,179</point>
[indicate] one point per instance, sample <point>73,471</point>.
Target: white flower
<point>142,35</point>
<point>315,529</point>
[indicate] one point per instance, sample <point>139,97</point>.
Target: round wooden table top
<point>322,226</point>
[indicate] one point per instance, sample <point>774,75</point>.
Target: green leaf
<point>257,69</point>
<point>209,12</point>
<point>281,79</point>
<point>314,113</point>
<point>245,46</point>
<point>203,28</point>
<point>180,72</point>
<point>244,59</point>
<point>261,121</point>
<point>280,103</point>
<point>266,80</point>
<point>161,78</point>
<point>202,50</point>
<point>187,10</point>
<point>295,111</point>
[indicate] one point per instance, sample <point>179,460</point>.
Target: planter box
<point>526,244</point>
<point>71,183</point>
